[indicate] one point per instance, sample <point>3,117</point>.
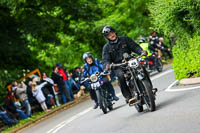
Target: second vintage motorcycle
<point>103,96</point>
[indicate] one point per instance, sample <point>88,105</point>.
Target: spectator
<point>75,86</point>
<point>76,76</point>
<point>32,100</point>
<point>58,82</point>
<point>21,92</point>
<point>11,108</point>
<point>76,90</point>
<point>6,118</point>
<point>38,94</point>
<point>48,90</point>
<point>65,79</point>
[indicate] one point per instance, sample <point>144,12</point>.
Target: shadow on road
<point>115,108</point>
<point>153,74</point>
<point>162,105</point>
<point>171,101</point>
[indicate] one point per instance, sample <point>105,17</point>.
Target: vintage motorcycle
<point>103,96</point>
<point>150,65</point>
<point>138,81</point>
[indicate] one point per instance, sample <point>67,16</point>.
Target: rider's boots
<point>115,98</point>
<point>95,105</point>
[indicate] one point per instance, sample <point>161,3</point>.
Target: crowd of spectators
<point>37,94</point>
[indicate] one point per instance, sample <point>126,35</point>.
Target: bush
<point>187,60</point>
<point>180,19</point>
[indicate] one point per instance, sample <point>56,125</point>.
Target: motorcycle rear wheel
<point>149,97</point>
<point>160,65</point>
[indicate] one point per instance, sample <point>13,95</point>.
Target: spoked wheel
<point>103,103</point>
<point>110,106</point>
<point>160,65</point>
<point>103,106</point>
<point>148,97</point>
<point>139,108</point>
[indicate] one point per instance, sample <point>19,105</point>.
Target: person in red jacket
<point>62,72</point>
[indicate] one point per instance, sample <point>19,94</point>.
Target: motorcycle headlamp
<point>94,78</point>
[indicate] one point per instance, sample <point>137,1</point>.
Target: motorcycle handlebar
<point>125,63</point>
<point>105,73</point>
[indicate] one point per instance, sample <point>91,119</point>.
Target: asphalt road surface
<point>177,112</point>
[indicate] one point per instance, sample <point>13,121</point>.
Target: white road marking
<point>180,89</point>
<point>64,123</point>
<point>169,87</point>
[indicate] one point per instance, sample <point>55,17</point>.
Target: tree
<point>41,33</point>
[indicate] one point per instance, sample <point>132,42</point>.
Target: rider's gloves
<point>105,71</point>
<point>144,53</point>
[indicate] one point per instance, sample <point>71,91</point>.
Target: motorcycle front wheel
<point>110,107</point>
<point>102,101</point>
<point>139,108</point>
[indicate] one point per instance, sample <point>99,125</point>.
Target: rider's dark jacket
<point>153,43</point>
<point>113,52</point>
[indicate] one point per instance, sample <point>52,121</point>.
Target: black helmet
<point>142,40</point>
<point>106,30</point>
<point>86,55</point>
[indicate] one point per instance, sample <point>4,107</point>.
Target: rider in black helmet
<point>106,31</point>
<point>113,52</point>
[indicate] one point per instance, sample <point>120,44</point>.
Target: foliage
<point>190,63</point>
<point>179,19</point>
<point>129,17</point>
<point>40,33</point>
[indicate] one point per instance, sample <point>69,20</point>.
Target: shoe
<point>115,98</point>
<point>154,90</point>
<point>132,101</point>
<point>95,106</point>
<point>126,101</point>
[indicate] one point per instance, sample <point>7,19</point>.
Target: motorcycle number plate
<point>133,63</point>
<point>95,85</point>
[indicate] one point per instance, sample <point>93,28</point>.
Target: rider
<point>153,42</point>
<point>164,48</point>
<point>145,46</point>
<point>92,66</point>
<point>113,52</point>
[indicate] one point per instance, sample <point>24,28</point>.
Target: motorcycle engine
<point>127,76</point>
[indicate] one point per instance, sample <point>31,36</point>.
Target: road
<point>177,112</point>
